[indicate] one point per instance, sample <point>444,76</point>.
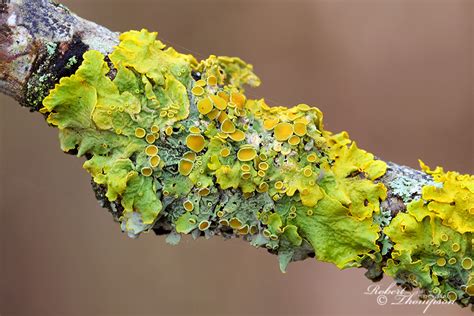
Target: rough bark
<point>42,41</point>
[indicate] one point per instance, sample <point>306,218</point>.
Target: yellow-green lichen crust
<point>271,174</point>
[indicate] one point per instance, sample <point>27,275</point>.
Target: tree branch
<point>38,36</point>
<point>42,42</point>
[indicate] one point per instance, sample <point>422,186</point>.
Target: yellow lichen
<point>467,263</point>
<point>195,142</point>
<point>453,200</point>
<point>185,167</point>
<point>244,230</point>
<point>169,131</point>
<point>204,192</point>
<point>188,205</point>
<point>245,168</point>
<point>283,131</point>
<point>190,155</point>
<point>274,160</point>
<point>212,80</point>
<point>197,91</point>
<point>150,138</point>
<point>441,262</point>
<point>225,152</point>
<point>228,126</point>
<point>300,129</point>
<point>194,130</point>
<point>213,114</point>
<point>235,223</point>
<point>238,99</point>
<point>140,132</point>
<point>155,129</point>
<point>203,225</point>
<point>218,102</point>
<point>246,153</point>
<point>155,161</point>
<point>224,222</point>
<point>312,157</point>
<point>237,135</point>
<point>151,150</point>
<point>263,166</point>
<point>435,224</point>
<point>205,106</point>
<point>146,171</point>
<point>270,123</point>
<point>294,140</point>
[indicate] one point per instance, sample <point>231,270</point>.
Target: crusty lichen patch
<point>433,241</point>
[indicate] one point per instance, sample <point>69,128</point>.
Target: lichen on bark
<point>174,146</point>
<point>176,141</point>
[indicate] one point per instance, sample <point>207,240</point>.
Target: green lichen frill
<point>175,140</point>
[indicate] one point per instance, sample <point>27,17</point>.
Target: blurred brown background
<point>397,75</point>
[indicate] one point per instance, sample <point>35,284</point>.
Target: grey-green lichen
<point>71,62</point>
<point>383,219</point>
<point>51,48</point>
<point>177,146</point>
<point>407,188</point>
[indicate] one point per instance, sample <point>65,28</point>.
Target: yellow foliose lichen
<point>435,235</point>
<point>175,140</point>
